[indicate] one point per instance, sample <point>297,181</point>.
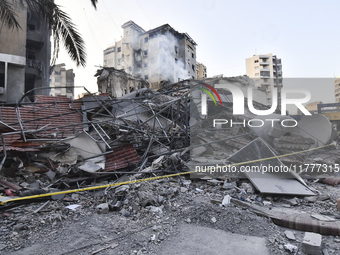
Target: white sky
<point>304,34</point>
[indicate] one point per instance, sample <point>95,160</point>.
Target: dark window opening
<point>2,80</point>
<point>30,55</point>
<point>145,53</point>
<point>146,39</point>
<point>176,60</point>
<point>30,27</point>
<point>2,74</point>
<point>176,49</point>
<point>192,55</point>
<point>146,77</point>
<point>193,67</point>
<point>119,49</point>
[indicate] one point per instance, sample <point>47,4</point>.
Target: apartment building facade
<point>266,70</point>
<point>201,71</point>
<point>24,55</point>
<point>161,55</point>
<point>62,81</point>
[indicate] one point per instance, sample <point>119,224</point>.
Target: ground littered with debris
<point>175,215</point>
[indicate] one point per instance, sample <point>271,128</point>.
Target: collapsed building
<point>118,83</point>
<point>58,145</point>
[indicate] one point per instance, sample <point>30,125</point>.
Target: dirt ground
<point>151,217</point>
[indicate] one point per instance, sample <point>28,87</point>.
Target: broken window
<point>146,39</point>
<point>119,49</point>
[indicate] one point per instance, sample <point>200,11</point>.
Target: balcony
<point>263,57</point>
<point>264,63</point>
<point>34,66</point>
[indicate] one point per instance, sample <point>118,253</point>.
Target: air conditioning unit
<point>2,90</point>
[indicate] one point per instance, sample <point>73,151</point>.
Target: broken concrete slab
<point>275,181</point>
<point>197,240</point>
<point>311,244</point>
<point>290,235</point>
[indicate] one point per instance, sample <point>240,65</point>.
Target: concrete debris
<point>312,244</point>
<point>90,146</point>
<point>291,248</point>
<point>290,235</point>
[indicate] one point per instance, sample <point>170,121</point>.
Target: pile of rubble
<point>67,164</point>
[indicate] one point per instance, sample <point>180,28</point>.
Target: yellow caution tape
<point>148,179</point>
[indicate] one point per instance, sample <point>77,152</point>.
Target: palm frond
<point>94,3</point>
<point>8,15</point>
<point>64,29</point>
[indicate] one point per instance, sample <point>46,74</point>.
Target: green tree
<point>62,27</point>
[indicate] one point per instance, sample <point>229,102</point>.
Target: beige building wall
<point>201,71</point>
<point>13,57</point>
<point>62,81</point>
<point>24,55</point>
<point>266,70</point>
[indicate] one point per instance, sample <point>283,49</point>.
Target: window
<point>176,49</point>
<point>30,55</point>
<point>192,55</point>
<point>145,65</point>
<point>176,60</point>
<point>146,39</point>
<point>193,67</point>
<point>256,61</point>
<point>146,77</point>
<point>145,53</point>
<point>119,49</point>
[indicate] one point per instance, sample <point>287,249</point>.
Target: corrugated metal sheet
<point>120,158</point>
<point>50,117</point>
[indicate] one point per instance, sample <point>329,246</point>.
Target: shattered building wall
<point>161,55</point>
<point>24,55</point>
<point>62,81</point>
<point>337,90</point>
<point>117,82</point>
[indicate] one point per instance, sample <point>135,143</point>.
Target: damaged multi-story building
<point>161,55</point>
<point>118,83</point>
<point>24,54</point>
<point>266,70</point>
<point>62,81</point>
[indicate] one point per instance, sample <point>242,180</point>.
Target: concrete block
<point>311,244</point>
<point>102,208</point>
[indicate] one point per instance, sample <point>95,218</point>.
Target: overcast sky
<point>304,34</point>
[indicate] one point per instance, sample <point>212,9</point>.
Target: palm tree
<point>60,23</point>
